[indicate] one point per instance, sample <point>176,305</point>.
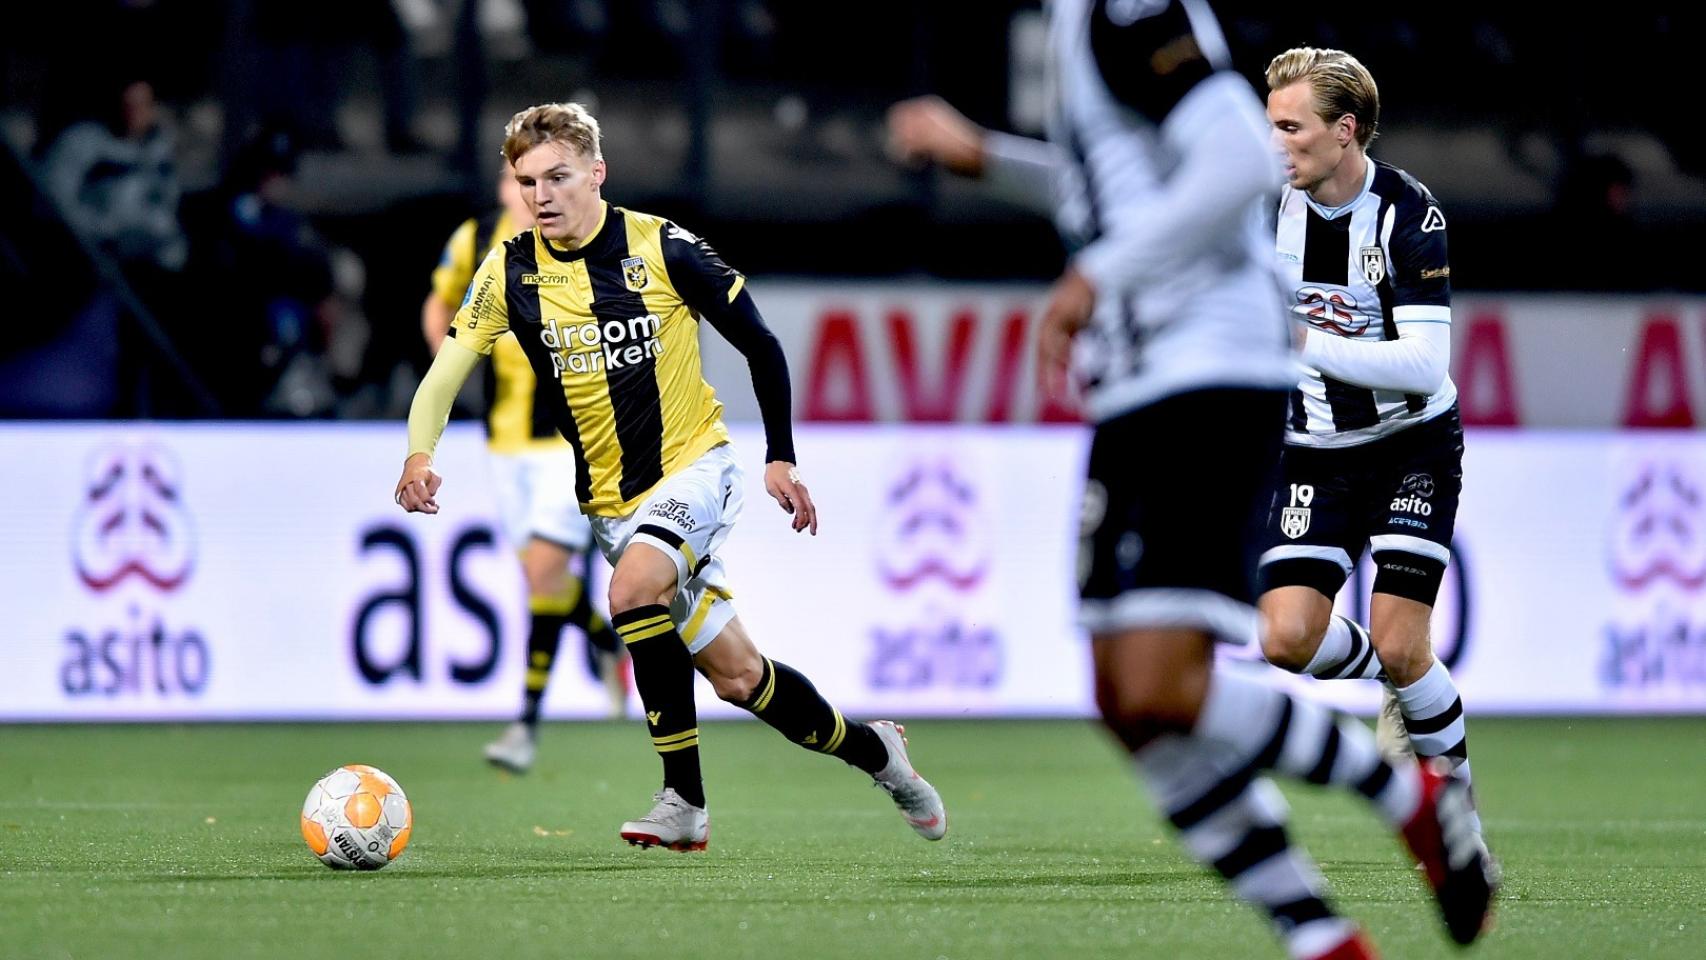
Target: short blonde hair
<point>568,123</point>
<point>1340,85</point>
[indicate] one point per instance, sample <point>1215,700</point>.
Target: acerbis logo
<point>1334,310</point>
<point>132,521</point>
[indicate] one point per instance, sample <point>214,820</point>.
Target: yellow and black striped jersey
<point>614,321</point>
<point>515,419</point>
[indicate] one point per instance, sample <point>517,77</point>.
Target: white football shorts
<point>688,517</point>
<point>536,498</point>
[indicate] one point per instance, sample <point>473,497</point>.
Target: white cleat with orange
<point>918,801</point>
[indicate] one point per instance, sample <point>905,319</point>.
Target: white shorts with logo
<point>536,498</point>
<point>687,517</point>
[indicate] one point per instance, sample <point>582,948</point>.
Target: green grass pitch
<point>169,841</point>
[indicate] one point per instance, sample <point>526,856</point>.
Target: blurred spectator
<point>266,275</point>
<point>115,181</point>
<point>62,359</point>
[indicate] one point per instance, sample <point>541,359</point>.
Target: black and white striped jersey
<point>1164,180</point>
<point>1363,271</point>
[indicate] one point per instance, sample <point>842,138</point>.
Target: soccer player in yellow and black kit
<point>533,470</point>
<point>605,303</point>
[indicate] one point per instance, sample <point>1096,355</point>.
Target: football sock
<point>1346,653</point>
<point>1243,838</point>
<point>1269,729</point>
<point>597,631</point>
<point>786,700</point>
<point>1433,716</point>
<point>599,636</point>
<point>663,674</point>
<point>549,613</point>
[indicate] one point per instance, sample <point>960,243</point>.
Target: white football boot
<point>674,824</point>
<point>514,750</point>
<point>918,801</point>
<point>1390,734</point>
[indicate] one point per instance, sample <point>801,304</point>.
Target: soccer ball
<point>356,818</point>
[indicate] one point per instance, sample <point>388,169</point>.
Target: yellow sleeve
<point>456,266</point>
<point>431,407</point>
<point>484,315</point>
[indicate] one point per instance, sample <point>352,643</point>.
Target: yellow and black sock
<point>786,700</point>
<point>550,612</point>
<point>663,674</point>
<point>599,637</point>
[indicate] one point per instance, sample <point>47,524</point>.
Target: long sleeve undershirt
<point>741,325</point>
<point>430,409</point>
<point>1416,362</point>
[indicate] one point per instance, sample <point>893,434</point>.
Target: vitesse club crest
<point>634,273</point>
<point>1373,265</point>
<point>1294,521</point>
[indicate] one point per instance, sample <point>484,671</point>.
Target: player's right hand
<point>417,491</point>
<point>1070,304</point>
<point>928,130</point>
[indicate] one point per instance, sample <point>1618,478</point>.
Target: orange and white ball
<point>356,818</point>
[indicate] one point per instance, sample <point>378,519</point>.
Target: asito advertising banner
<point>261,571</point>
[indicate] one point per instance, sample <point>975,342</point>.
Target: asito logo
<point>1412,495</point>
<point>933,554</point>
<point>133,538</point>
<point>1657,559</point>
<point>1412,504</point>
<point>132,522</point>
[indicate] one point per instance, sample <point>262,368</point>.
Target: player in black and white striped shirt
<point>1374,446</point>
<point>1158,168</point>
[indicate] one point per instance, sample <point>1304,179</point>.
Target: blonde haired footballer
<point>533,473</point>
<point>606,302</point>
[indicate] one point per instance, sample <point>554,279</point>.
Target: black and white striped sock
<point>1272,730</point>
<point>1433,715</point>
<point>1346,653</point>
<point>1243,839</point>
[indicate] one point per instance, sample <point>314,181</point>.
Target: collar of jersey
<point>599,239</point>
<point>1331,212</point>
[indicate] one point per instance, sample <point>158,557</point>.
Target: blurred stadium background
<point>218,222</point>
<point>760,122</point>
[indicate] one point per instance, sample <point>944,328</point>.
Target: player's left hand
<point>782,481</point>
<point>1070,304</point>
